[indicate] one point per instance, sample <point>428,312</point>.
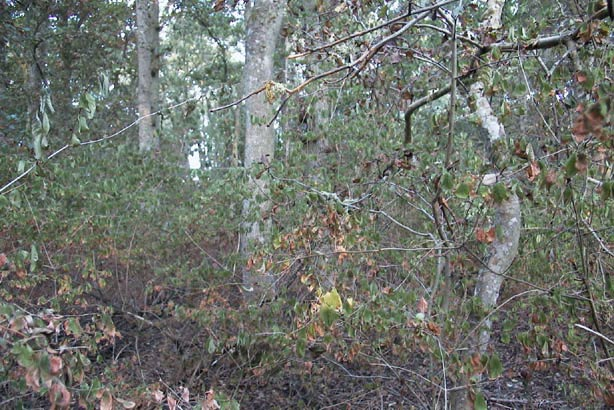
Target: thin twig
<point>595,333</point>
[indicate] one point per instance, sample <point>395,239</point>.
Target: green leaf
<point>499,192</point>
<point>607,190</point>
<point>49,104</point>
<point>37,143</point>
<point>480,402</point>
<point>331,299</point>
<point>45,125</point>
<point>463,191</point>
<point>33,257</point>
<point>495,367</point>
<point>567,195</point>
<point>25,355</point>
<point>211,346</point>
<point>83,124</point>
<point>570,165</point>
<point>447,182</point>
<point>103,82</point>
<point>74,141</point>
<point>301,343</point>
<point>328,315</point>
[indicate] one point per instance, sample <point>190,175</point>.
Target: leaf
<point>45,125</point>
<point>103,84</point>
<point>60,396</point>
<point>480,402</point>
<point>328,315</point>
<point>570,165</point>
<point>37,143</point>
<point>74,141</point>
<point>331,299</point>
<point>127,404</point>
<point>533,171</point>
<point>607,190</point>
<point>219,5</point>
<point>172,403</point>
<point>463,191</point>
<point>446,181</point>
<point>83,124</point>
<point>581,163</point>
<point>423,305</point>
<point>55,364</point>
<point>211,346</point>
<point>33,257</point>
<point>499,192</point>
<point>49,104</point>
<point>483,236</point>
<point>495,367</point>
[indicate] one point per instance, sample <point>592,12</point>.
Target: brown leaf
<point>158,396</point>
<point>106,400</point>
<point>185,394</point>
<point>210,403</point>
<point>433,327</point>
<point>172,403</point>
<point>219,5</point>
<point>423,305</point>
<point>33,379</point>
<point>582,162</point>
<point>551,178</point>
<point>476,362</point>
<point>55,364</point>
<point>60,396</point>
<point>3,260</point>
<point>533,171</point>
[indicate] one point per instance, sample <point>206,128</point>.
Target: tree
<point>148,45</point>
<point>263,19</point>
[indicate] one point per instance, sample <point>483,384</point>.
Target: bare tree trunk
<point>263,24</point>
<point>148,42</point>
<point>504,248</point>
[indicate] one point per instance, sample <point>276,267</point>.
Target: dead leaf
<point>185,394</point>
<point>582,163</point>
<point>106,400</point>
<point>3,260</point>
<point>210,403</point>
<point>551,178</point>
<point>533,171</point>
<point>433,327</point>
<point>33,379</point>
<point>483,236</point>
<point>423,305</point>
<point>219,5</point>
<point>60,396</point>
<point>158,396</point>
<point>172,403</point>
<point>55,364</point>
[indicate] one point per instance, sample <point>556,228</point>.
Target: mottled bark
<point>148,41</point>
<point>501,255</point>
<point>263,24</point>
<point>504,248</point>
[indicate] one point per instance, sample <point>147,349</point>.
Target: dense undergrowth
<point>121,285</point>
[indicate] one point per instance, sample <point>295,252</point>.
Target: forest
<point>316,204</point>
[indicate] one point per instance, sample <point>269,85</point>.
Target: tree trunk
<point>263,24</point>
<point>148,42</point>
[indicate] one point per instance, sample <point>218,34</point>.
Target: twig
<point>239,101</point>
<point>104,138</point>
<point>367,31</point>
<point>595,333</point>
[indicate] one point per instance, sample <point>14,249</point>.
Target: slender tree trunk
<point>504,248</point>
<point>263,24</point>
<point>148,41</point>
